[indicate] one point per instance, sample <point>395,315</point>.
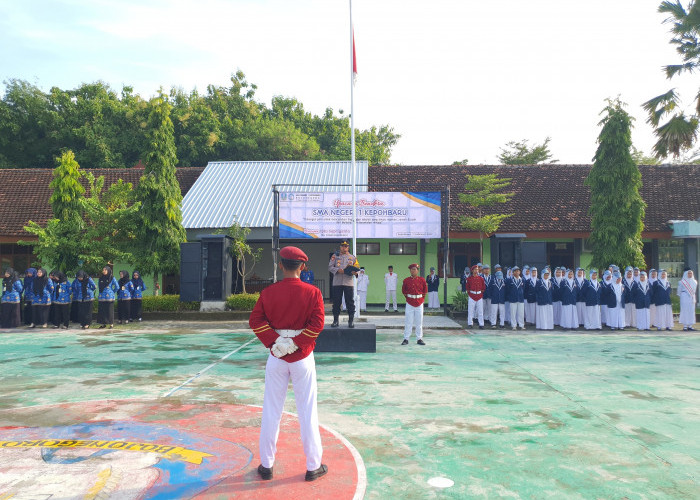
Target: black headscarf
<point>59,277</point>
<point>105,279</point>
<point>40,282</point>
<point>137,281</point>
<point>123,278</point>
<point>82,278</point>
<point>8,282</point>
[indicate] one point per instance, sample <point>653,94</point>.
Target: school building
<point>550,222</point>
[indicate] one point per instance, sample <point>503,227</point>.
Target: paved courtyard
<point>528,415</point>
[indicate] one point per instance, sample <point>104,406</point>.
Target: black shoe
<point>335,323</point>
<point>265,473</point>
<point>312,475</point>
<point>386,310</point>
<point>420,342</point>
<point>350,323</point>
<point>405,342</point>
<point>481,327</point>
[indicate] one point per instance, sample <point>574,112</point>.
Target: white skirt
<point>664,317</point>
<point>652,315</point>
<point>616,317</point>
<point>556,312</point>
<point>581,311</point>
<point>687,316</point>
<point>643,319</point>
<point>530,312</point>
<point>545,317</point>
<point>591,318</point>
<point>630,316</point>
<point>603,315</point>
<point>569,316</point>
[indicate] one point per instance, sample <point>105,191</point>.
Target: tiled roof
<point>551,198</point>
<point>25,193</point>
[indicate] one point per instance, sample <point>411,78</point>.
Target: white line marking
<point>201,372</point>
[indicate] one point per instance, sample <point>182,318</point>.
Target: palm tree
<point>680,131</point>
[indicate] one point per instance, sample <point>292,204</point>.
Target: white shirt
<point>390,280</point>
<point>362,282</point>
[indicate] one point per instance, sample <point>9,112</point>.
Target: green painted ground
<point>526,416</point>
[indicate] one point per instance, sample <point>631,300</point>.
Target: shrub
<point>675,302</point>
<point>460,301</point>
<point>242,301</point>
<point>167,303</point>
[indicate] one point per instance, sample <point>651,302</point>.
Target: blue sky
<point>458,79</point>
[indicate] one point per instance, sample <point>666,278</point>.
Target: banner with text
<point>379,215</point>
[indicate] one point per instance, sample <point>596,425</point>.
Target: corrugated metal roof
<point>242,190</point>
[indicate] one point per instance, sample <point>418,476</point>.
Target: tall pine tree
<point>617,208</point>
<point>160,230</point>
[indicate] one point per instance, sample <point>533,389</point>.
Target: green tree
<point>159,229</point>
<point>679,131</point>
<point>521,153</point>
<point>482,191</point>
<point>66,188</point>
<point>460,162</point>
<point>617,209</point>
<point>245,256</point>
<point>641,159</point>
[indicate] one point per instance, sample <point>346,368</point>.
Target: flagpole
<point>352,154</point>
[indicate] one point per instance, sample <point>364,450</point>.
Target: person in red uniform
<point>415,289</point>
<point>475,289</point>
<point>287,318</point>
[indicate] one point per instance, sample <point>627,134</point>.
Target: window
<point>368,249</point>
<point>462,255</point>
<point>403,248</point>
<point>672,259</point>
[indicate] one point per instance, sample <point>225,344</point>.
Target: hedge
<point>242,301</point>
<point>167,303</point>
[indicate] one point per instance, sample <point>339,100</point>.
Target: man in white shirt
<point>390,281</point>
<point>362,287</point>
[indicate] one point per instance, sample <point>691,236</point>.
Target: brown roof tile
<point>551,198</point>
<point>25,193</point>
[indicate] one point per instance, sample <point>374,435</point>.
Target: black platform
<point>362,338</point>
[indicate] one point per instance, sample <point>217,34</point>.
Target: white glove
<point>283,346</point>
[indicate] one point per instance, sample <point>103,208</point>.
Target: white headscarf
<point>629,280</point>
<point>688,284</point>
<point>617,288</point>
<point>643,283</point>
<point>570,281</point>
<point>652,279</point>
<point>533,279</point>
<point>663,281</point>
<point>582,278</point>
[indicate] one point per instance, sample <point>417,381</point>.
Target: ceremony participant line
<point>201,372</point>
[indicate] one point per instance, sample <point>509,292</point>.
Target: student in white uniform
<point>390,281</point>
<point>687,290</point>
<point>362,287</point>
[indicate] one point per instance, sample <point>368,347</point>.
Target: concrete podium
<point>362,338</point>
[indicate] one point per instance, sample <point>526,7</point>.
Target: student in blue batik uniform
<point>41,301</point>
<point>86,296</point>
<point>11,296</point>
<point>641,296</point>
<point>75,303</point>
<point>108,287</point>
<point>28,294</point>
<point>136,295</point>
<point>126,288</point>
<point>62,300</point>
<point>307,276</point>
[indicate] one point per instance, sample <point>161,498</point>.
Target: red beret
<point>293,253</point>
<point>475,267</point>
<point>414,265</point>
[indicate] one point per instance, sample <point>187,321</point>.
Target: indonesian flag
<point>354,60</point>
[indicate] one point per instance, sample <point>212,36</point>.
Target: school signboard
<point>328,215</point>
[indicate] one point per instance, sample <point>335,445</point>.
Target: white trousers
<point>433,300</point>
<point>487,308</point>
<point>531,312</point>
<point>580,311</point>
<point>475,308</point>
<point>507,304</point>
<point>303,376</point>
<point>362,294</point>
<point>517,314</point>
<point>414,318</point>
<point>391,295</point>
<point>498,310</point>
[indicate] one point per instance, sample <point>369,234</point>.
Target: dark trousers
<point>62,314</point>
<point>27,313</point>
<point>84,312</point>
<point>136,308</point>
<point>75,311</point>
<point>10,315</point>
<point>124,309</point>
<point>349,292</point>
<point>40,314</point>
<point>105,312</point>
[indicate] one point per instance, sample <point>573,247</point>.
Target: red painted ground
<point>146,449</point>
